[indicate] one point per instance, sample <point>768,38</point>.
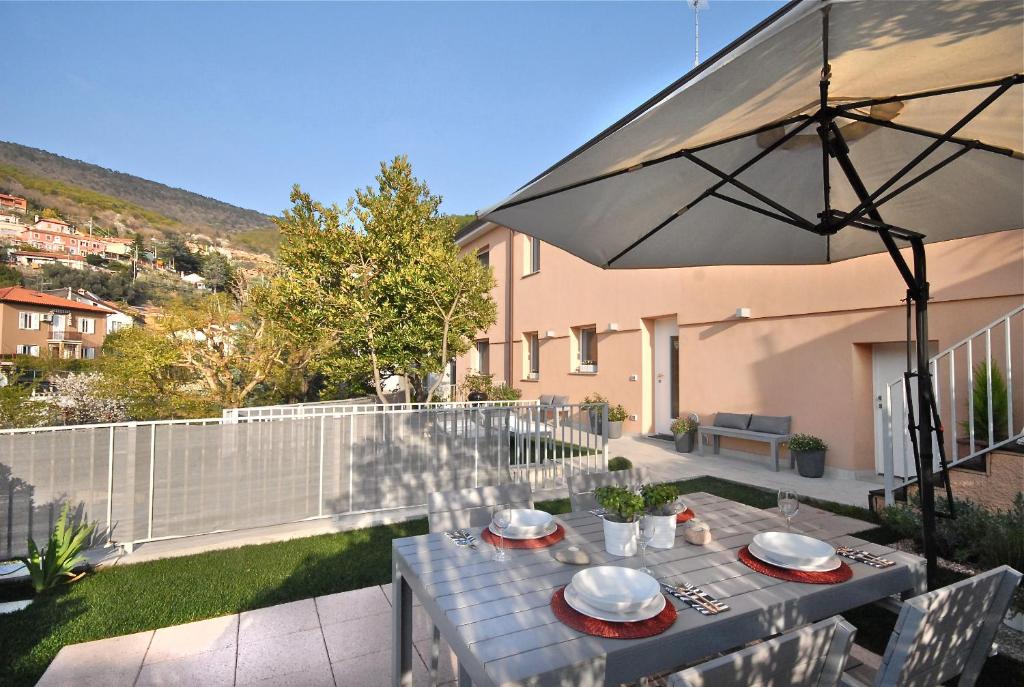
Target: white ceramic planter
<point>620,537</point>
<point>664,531</point>
<point>1014,620</point>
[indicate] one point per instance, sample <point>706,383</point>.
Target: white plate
<point>795,549</point>
<point>615,589</point>
<point>526,523</point>
<point>653,608</point>
<point>828,566</point>
<point>550,530</point>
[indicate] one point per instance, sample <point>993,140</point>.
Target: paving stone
<point>190,639</point>
<point>310,677</point>
<point>358,637</point>
<point>447,664</point>
<point>281,655</point>
<point>359,603</point>
<point>275,621</point>
<point>210,669</point>
<point>104,663</point>
<point>374,670</point>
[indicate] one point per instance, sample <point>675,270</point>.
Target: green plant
<point>504,392</point>
<point>620,463</point>
<point>594,399</point>
<point>623,505</point>
<point>658,496</point>
<point>1000,401</point>
<point>684,425</point>
<point>806,442</point>
<point>57,561</point>
<point>617,413</point>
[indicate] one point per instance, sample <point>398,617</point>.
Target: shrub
<point>684,425</point>
<point>658,496</point>
<point>620,463</point>
<point>617,413</point>
<point>594,399</point>
<point>623,505</point>
<point>504,392</point>
<point>57,561</point>
<point>806,442</point>
<point>1000,401</point>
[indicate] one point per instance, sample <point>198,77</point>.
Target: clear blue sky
<point>238,101</point>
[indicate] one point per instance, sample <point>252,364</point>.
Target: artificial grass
<point>145,596</point>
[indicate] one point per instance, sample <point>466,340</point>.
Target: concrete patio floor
<point>340,639</point>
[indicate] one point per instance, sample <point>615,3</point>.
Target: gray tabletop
<point>498,620</point>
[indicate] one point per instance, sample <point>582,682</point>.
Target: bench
<point>772,430</point>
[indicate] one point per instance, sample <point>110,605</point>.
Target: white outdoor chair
<point>940,635</point>
<point>812,656</point>
<point>581,487</point>
<point>468,508</point>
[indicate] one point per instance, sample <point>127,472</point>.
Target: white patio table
<point>497,616</point>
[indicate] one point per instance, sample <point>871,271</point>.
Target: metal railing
<point>974,418</point>
<point>145,481</point>
<point>353,406</point>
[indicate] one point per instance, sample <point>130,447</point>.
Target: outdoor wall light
<point>549,334</point>
<point>613,326</point>
<point>743,313</point>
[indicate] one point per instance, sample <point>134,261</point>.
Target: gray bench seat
<point>772,430</point>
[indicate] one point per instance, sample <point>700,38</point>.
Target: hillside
<point>124,202</point>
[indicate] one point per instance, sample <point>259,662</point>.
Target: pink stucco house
<point>816,342</point>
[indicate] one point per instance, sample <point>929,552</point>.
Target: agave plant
<point>57,561</point>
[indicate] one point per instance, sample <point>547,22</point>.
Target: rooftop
<point>18,294</point>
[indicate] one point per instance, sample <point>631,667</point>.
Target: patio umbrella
<point>832,130</point>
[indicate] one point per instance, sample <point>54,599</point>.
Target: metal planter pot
<point>614,429</point>
<point>596,417</point>
<point>620,537</point>
<point>810,463</point>
<point>685,442</point>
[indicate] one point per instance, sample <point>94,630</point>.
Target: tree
<point>386,278</point>
<point>9,276</point>
<point>112,286</point>
<point>50,213</point>
<point>79,399</point>
<point>176,253</point>
<point>217,270</point>
<point>18,408</point>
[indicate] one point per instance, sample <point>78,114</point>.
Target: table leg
<point>401,629</point>
<point>464,680</point>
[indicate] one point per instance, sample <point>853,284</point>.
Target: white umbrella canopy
<point>649,192</point>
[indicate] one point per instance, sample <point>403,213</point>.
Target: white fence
<point>144,481</point>
<point>974,415</point>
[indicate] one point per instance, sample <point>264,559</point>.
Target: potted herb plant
<point>588,367</point>
<point>592,403</point>
<point>659,507</point>
<point>617,414</point>
<point>622,519</point>
<point>809,452</point>
<point>684,432</point>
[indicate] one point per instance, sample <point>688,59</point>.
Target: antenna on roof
<point>697,6</point>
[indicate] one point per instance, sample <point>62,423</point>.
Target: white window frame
<point>484,357</point>
<point>87,325</point>
<point>531,355</point>
<point>89,353</point>
<point>531,258</point>
<point>27,349</point>
<point>29,318</point>
<point>580,335</point>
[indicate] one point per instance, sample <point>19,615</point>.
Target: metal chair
<point>468,508</point>
<point>581,487</point>
<point>812,656</point>
<point>940,635</point>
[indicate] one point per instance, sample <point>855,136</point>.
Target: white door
<point>888,363</point>
<point>666,375</point>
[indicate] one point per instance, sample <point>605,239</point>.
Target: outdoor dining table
<point>497,617</point>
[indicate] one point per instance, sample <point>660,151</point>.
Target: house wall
<point>11,335</point>
<point>805,351</point>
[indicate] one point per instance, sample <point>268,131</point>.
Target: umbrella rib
<point>980,145</point>
<point>754,208</point>
<point>652,162</point>
<point>1015,78</point>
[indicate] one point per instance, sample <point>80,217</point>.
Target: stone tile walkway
<point>340,639</point>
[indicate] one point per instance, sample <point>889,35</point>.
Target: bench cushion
<point>732,420</point>
<point>545,399</point>
<point>770,424</point>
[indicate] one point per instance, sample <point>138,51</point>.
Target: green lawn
<point>145,596</point>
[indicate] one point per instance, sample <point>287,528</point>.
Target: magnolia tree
<point>80,399</point>
<point>384,281</point>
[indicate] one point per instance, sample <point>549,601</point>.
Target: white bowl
<point>756,551</point>
<point>526,523</point>
<point>794,550</point>
<point>645,612</point>
<point>616,589</point>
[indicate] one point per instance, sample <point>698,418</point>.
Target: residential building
<point>36,323</point>
<point>194,280</point>
<point>37,260</point>
<point>14,203</point>
<point>118,248</point>
<point>118,316</point>
<point>10,229</point>
<point>815,342</point>
<point>57,236</point>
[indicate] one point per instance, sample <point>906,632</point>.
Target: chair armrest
<point>848,680</point>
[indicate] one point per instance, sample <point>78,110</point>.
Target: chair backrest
<point>948,632</point>
<point>813,656</point>
<point>448,510</point>
<point>581,487</point>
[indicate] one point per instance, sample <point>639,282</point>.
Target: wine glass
<point>501,517</point>
<point>643,539</point>
<point>789,505</point>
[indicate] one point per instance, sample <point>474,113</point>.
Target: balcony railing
<point>61,335</point>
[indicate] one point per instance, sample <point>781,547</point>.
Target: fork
<point>864,557</point>
<point>696,598</point>
<point>599,512</point>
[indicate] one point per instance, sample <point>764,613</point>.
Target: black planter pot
<point>596,420</point>
<point>476,396</point>
<point>685,442</point>
<point>810,463</point>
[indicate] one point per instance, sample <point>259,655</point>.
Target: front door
<point>666,374</point>
<point>888,363</point>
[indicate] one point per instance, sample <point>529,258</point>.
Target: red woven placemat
<point>684,515</point>
<point>553,538</point>
<point>603,628</point>
<point>840,574</point>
